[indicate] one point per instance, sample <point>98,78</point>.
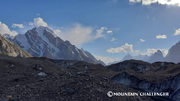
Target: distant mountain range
<point>43,42</point>
<point>157,56</point>
<point>139,57</point>
<point>172,56</point>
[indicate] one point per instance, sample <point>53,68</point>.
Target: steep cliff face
<point>43,42</point>
<point>9,48</point>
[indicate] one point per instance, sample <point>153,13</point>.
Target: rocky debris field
<point>37,79</point>
<point>156,72</point>
<point>160,76</point>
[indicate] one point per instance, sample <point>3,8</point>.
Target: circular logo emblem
<point>110,94</point>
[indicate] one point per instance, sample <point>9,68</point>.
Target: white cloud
<point>152,51</point>
<point>79,34</point>
<point>17,25</point>
<point>163,2</point>
<point>31,23</point>
<point>142,40</point>
<point>161,36</point>
<point>106,60</point>
<point>110,32</point>
<point>5,30</point>
<point>113,39</point>
<point>125,48</point>
<point>57,31</point>
<point>177,32</point>
<point>136,52</point>
<point>39,22</point>
<point>104,28</point>
<point>99,33</point>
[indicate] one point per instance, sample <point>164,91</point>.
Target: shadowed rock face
<point>42,42</point>
<point>9,48</point>
<point>171,85</point>
<point>156,77</point>
<point>124,78</point>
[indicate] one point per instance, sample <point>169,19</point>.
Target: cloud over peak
<point>39,22</point>
<point>152,51</point>
<point>76,34</point>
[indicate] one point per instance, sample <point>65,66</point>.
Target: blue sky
<point>109,29</point>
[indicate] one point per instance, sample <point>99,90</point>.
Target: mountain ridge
<point>43,42</point>
<point>173,53</point>
<point>9,48</point>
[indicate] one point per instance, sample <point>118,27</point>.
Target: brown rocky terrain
<point>42,79</point>
<point>9,48</point>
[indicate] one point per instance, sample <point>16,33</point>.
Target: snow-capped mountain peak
<point>41,29</point>
<point>43,42</point>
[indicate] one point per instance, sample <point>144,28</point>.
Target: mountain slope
<point>43,42</point>
<point>174,54</point>
<point>9,48</point>
<point>93,58</point>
